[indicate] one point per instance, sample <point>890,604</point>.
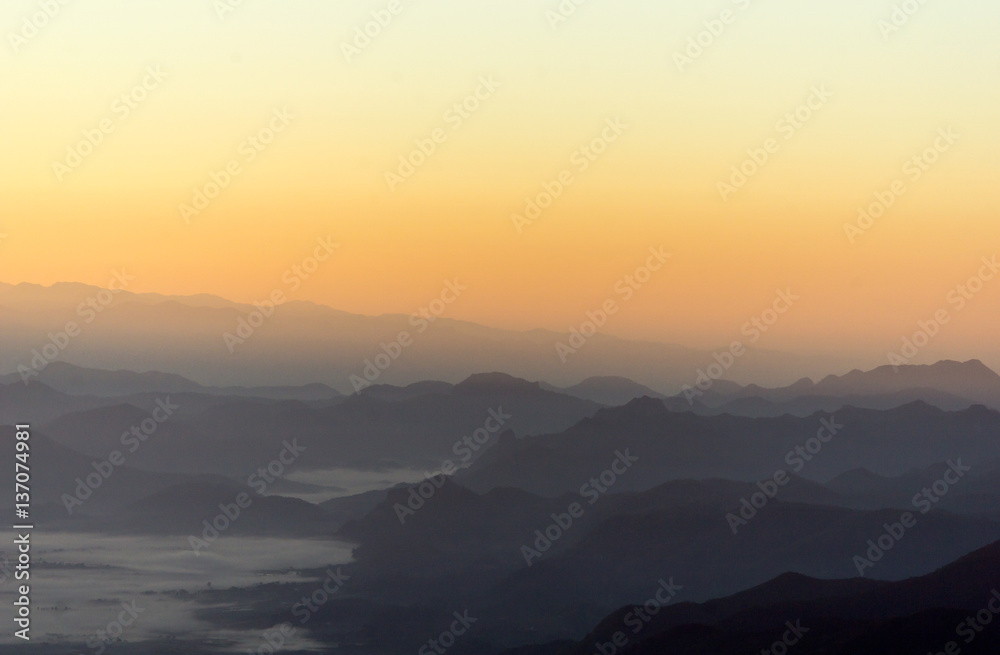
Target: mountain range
<point>302,343</point>
<point>573,504</point>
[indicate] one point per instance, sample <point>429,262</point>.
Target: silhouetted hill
<point>415,390</point>
<point>172,445</point>
<point>806,405</point>
<point>493,383</point>
<point>851,616</point>
<point>38,403</point>
<point>979,492</point>
<point>671,445</point>
<point>235,436</point>
<point>351,508</point>
<point>77,380</point>
<point>607,390</point>
<point>460,544</point>
<point>57,470</point>
<point>946,384</point>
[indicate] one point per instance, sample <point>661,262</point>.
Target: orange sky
<point>549,93</point>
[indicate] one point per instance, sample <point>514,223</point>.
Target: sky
<point>833,101</point>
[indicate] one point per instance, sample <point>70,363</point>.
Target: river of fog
<point>79,582</point>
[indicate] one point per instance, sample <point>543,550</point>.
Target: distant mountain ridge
<point>379,428</point>
<point>607,390</point>
<point>947,384</point>
<point>78,380</point>
<point>948,381</point>
<point>303,342</point>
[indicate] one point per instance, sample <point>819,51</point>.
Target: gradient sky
<point>655,186</point>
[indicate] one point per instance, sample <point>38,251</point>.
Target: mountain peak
<point>977,366</point>
<point>495,383</point>
<point>610,390</point>
<point>642,407</point>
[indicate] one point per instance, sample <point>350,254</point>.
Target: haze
<point>656,185</point>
